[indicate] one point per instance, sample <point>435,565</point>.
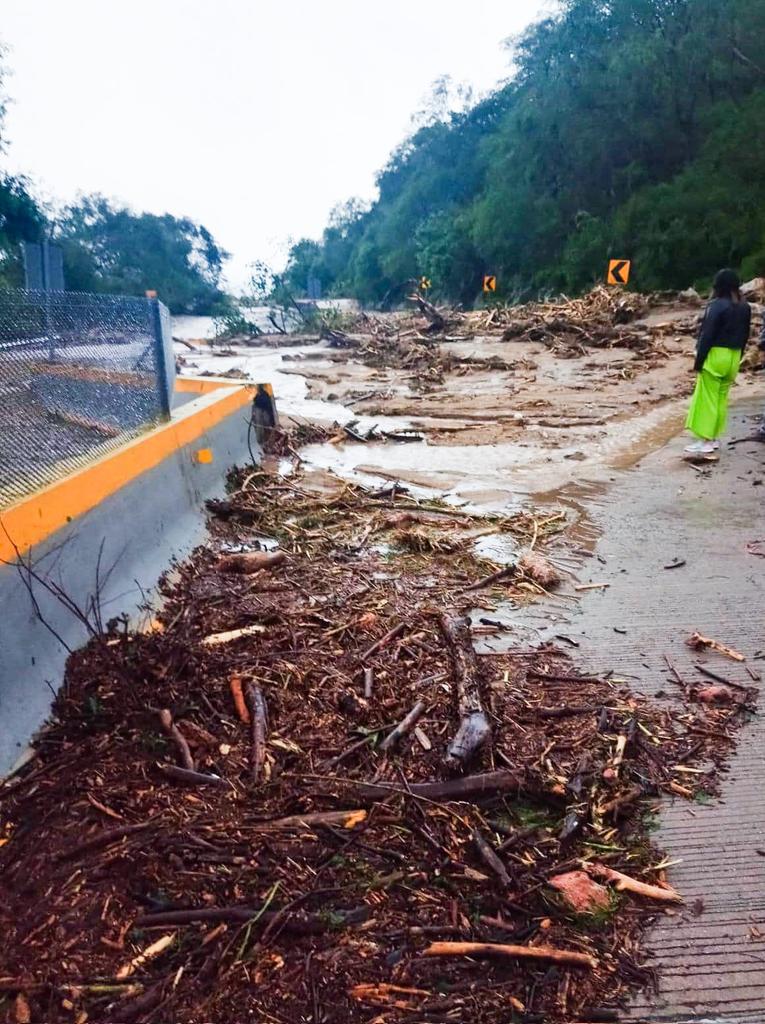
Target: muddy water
<point>555,467</point>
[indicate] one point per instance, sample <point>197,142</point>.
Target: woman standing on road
<point>722,340</point>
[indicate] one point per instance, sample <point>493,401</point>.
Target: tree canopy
<point>109,248</point>
<point>628,128</point>
<point>20,216</point>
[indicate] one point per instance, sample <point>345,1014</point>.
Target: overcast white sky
<point>252,116</point>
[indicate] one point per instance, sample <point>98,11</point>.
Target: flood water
<point>498,476</point>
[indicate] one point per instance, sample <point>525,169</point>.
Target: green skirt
<point>708,413</point>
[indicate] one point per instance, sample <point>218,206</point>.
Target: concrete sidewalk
<point>712,964</point>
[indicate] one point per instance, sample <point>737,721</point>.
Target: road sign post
<point>489,283</point>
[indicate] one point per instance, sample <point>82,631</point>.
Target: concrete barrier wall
<point>112,528</point>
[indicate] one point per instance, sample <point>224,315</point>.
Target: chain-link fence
<point>79,375</point>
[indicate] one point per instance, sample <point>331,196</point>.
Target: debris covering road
<point>301,795</point>
<point>503,401</point>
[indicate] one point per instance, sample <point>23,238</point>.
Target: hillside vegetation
<point>629,128</point>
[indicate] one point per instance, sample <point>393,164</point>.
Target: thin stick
<point>104,838</point>
<point>678,678</point>
<point>720,679</point>
<point>175,734</point>
<point>560,956</point>
<point>488,580</point>
<point>190,778</point>
<point>404,727</point>
<point>390,635</point>
<point>256,704</point>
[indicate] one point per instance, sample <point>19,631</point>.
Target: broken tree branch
<point>171,729</point>
<point>404,727</point>
<point>104,838</point>
<point>559,956</point>
<point>624,883</point>
<point>474,730</point>
<point>488,580</point>
<point>390,635</point>
<point>696,640</point>
<point>490,858</point>
<point>469,787</point>
<point>256,705</point>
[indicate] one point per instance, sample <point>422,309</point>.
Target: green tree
<point>109,248</point>
<point>628,127</point>
<point>21,218</point>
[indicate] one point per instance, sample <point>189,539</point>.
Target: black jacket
<point>726,324</point>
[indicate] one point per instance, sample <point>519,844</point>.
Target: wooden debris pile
<point>301,795</point>
<point>604,318</point>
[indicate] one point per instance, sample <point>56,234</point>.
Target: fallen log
<point>404,727</point>
<point>468,788</point>
<point>558,956</point>
<point>256,705</point>
<point>430,313</point>
<point>474,731</point>
<point>172,730</point>
<point>624,883</point>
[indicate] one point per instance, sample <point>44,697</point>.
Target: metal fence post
<point>46,286</point>
<point>161,356</point>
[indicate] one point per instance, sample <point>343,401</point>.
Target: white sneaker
<point>700,448</point>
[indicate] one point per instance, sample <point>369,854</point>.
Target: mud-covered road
<point>490,436</point>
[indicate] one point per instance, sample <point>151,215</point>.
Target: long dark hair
<point>727,285</point>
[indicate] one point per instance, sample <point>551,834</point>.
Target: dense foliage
<point>629,128</point>
<point>109,248</point>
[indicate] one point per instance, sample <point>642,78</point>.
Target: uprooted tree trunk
<point>430,313</point>
<point>474,731</point>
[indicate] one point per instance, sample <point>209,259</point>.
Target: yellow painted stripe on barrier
<point>205,385</point>
<point>200,386</point>
<point>32,520</point>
